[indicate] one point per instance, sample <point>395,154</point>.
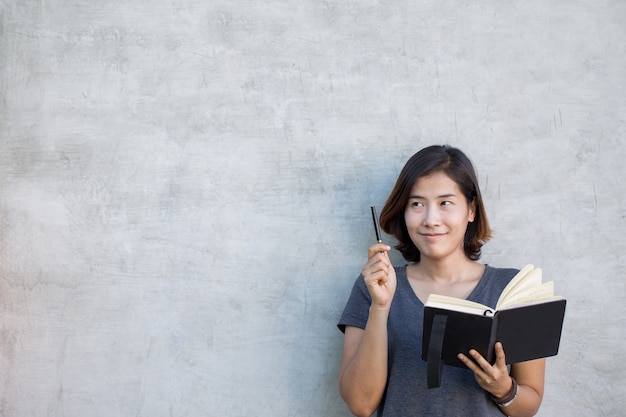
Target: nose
<point>432,217</point>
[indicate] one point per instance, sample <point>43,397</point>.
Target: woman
<point>436,213</point>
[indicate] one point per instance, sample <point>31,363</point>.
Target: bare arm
<point>363,373</point>
<point>530,377</point>
<point>364,369</point>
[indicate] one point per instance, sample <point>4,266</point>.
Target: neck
<point>446,270</point>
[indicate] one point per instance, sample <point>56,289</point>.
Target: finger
<point>377,248</point>
<point>480,360</point>
<point>378,263</point>
<point>469,363</point>
<point>375,265</point>
<point>500,356</point>
<point>375,271</point>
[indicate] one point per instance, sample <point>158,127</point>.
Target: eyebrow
<point>439,196</point>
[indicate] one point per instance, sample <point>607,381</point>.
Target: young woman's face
<point>437,215</point>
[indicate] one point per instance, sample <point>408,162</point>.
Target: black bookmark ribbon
<point>435,364</point>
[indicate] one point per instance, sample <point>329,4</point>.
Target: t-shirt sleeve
<point>356,311</point>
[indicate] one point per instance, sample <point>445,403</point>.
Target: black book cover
<point>527,332</point>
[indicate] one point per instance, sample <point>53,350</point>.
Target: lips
<point>432,236</point>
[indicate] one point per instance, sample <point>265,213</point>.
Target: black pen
<point>376,225</point>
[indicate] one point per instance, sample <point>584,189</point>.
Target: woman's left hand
<point>495,378</point>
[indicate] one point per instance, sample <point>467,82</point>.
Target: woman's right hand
<point>379,275</point>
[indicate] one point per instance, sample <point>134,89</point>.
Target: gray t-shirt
<point>407,394</point>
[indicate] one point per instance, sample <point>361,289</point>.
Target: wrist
<point>379,310</point>
<point>509,397</point>
<point>501,393</point>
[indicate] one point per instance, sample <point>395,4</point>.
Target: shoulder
<point>400,270</point>
<point>500,275</point>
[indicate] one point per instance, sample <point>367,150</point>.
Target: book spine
<point>491,353</point>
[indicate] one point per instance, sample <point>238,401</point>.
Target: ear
<point>472,211</point>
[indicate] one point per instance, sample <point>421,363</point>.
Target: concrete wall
<point>185,186</point>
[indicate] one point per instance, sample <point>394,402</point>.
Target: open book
<point>525,288</point>
<point>527,319</point>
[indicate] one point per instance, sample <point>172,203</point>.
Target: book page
<point>526,278</point>
<point>525,288</point>
<point>525,303</point>
<point>542,292</point>
<point>457,304</point>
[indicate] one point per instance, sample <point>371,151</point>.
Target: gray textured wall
<point>185,185</point>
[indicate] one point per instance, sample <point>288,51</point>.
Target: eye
<point>446,203</point>
<point>417,204</point>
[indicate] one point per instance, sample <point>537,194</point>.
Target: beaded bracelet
<point>509,397</point>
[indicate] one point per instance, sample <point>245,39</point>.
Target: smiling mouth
<point>432,235</point>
